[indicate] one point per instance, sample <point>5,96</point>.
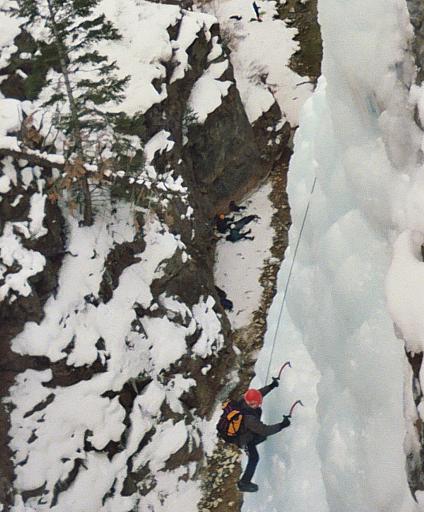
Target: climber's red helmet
<point>253,398</point>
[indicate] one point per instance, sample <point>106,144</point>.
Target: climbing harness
<point>289,277</point>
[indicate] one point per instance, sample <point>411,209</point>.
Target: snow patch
<point>27,263</point>
<point>260,53</point>
<point>239,265</point>
<point>208,91</point>
<point>405,289</point>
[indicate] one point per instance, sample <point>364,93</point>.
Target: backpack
<point>229,423</point>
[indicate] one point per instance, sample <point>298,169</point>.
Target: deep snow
<point>239,265</point>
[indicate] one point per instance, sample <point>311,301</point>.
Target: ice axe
<point>298,402</point>
<point>287,363</point>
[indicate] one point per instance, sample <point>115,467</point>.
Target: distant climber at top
<point>257,12</point>
<point>241,424</point>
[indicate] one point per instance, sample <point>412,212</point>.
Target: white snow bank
<point>191,25</point>
<point>28,263</point>
<point>185,494</point>
<point>169,438</point>
<point>405,289</point>
<point>4,184</point>
<point>10,120</point>
<point>144,46</point>
<point>9,30</point>
<point>168,341</point>
<point>208,91</point>
<point>260,52</point>
<point>51,426</point>
<point>211,339</point>
<point>238,266</point>
<point>160,142</point>
<point>34,227</point>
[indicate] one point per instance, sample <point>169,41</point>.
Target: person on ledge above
<point>222,222</point>
<point>233,207</point>
<point>235,235</point>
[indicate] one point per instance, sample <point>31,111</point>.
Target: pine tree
<point>87,81</point>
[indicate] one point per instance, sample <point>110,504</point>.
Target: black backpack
<point>229,423</point>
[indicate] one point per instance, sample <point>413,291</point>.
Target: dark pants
<point>235,235</point>
<point>239,224</point>
<point>253,459</point>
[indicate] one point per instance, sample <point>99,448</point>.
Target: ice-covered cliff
<point>355,299</point>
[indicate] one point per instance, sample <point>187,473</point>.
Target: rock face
<point>415,431</point>
<point>416,12</point>
<point>415,428</point>
<point>304,16</point>
<point>222,158</point>
<point>18,310</point>
<point>219,159</point>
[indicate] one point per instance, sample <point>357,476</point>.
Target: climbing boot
<point>247,486</point>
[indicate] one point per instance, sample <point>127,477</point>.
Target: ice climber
<point>257,11</point>
<point>241,424</point>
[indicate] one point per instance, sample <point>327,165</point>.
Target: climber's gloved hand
<point>286,422</point>
<point>275,382</point>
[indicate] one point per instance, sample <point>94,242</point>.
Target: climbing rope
<point>288,278</point>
